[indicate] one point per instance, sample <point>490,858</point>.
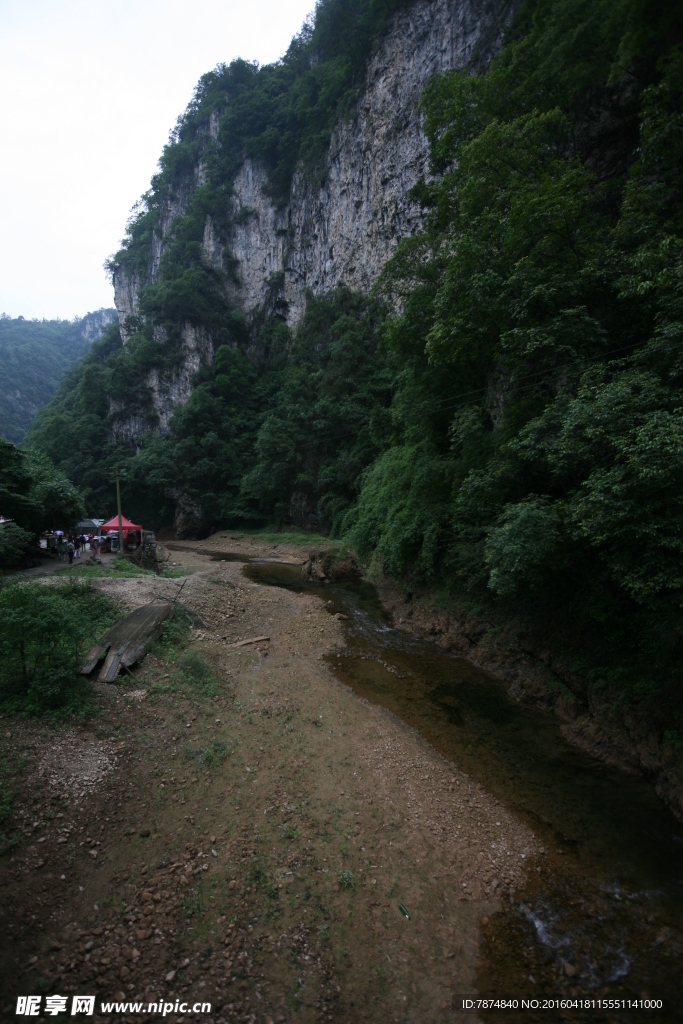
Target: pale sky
<point>89,92</point>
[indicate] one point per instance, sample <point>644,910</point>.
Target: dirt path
<point>248,843</point>
<point>50,565</point>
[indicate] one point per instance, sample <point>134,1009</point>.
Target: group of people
<point>70,546</point>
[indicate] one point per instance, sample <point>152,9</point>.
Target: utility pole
<point>118,505</point>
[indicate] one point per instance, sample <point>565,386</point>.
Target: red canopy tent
<point>112,526</point>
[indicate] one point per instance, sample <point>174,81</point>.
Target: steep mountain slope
<point>277,183</point>
<point>34,355</point>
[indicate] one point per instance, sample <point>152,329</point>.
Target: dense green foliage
<point>34,355</point>
<point>504,415</point>
<point>78,427</point>
<point>44,632</point>
<point>282,416</point>
<point>539,409</point>
<point>329,418</point>
<point>14,543</point>
<point>34,496</point>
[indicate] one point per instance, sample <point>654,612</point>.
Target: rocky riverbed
<point>251,842</point>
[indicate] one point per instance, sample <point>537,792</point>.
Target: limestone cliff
<point>343,230</point>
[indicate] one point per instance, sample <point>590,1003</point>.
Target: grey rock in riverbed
<point>328,566</point>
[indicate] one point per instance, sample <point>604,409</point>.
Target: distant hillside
<point>34,355</point>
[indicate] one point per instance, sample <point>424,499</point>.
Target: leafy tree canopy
<point>544,297</point>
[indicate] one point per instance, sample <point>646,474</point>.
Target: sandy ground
<point>248,847</point>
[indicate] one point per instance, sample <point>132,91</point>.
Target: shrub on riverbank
<point>44,632</point>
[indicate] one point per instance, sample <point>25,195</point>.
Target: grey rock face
<point>344,230</point>
<point>189,515</point>
<point>168,392</point>
<point>93,325</point>
<point>327,566</point>
<point>126,299</point>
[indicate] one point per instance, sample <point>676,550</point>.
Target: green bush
<point>44,632</point>
<point>13,544</point>
<point>524,548</point>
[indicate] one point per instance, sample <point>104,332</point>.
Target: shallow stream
<point>605,917</point>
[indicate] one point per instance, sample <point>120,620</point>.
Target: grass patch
<point>121,568</point>
<point>257,878</point>
<point>175,635</point>
<point>45,629</point>
<point>194,672</point>
<point>210,757</point>
<point>346,880</point>
<point>289,832</point>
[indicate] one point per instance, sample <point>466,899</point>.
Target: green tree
<point>329,416</point>
<point>536,445</point>
<point>35,496</point>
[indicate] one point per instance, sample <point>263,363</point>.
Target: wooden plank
<point>127,640</point>
<point>251,640</point>
<point>110,669</point>
<point>139,623</point>
<point>94,655</point>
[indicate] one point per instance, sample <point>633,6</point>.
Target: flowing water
<point>605,919</point>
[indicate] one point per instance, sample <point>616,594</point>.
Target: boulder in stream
<point>329,567</point>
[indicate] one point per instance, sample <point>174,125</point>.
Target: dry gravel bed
<point>250,846</point>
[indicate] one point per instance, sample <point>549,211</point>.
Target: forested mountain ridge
<point>34,355</point>
<point>502,416</point>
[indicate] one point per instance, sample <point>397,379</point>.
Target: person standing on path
<point>61,548</point>
<point>77,546</point>
<point>70,550</point>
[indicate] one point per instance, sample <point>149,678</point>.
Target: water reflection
<point>608,915</point>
